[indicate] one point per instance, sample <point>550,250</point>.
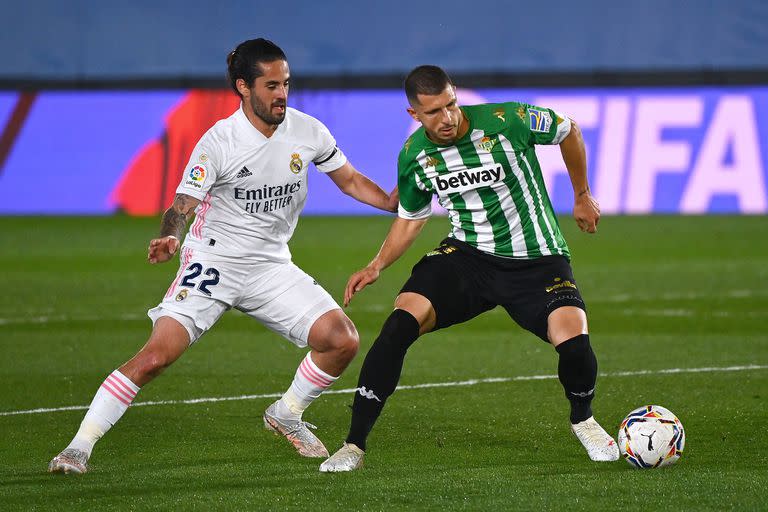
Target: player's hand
<point>394,200</point>
<point>586,211</point>
<point>162,249</point>
<point>358,281</point>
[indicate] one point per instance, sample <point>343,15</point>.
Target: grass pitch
<point>666,296</point>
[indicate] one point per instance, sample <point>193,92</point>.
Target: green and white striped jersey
<point>489,180</point>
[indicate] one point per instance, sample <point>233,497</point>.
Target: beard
<point>265,113</point>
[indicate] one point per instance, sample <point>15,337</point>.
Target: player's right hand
<point>162,249</point>
<point>358,281</point>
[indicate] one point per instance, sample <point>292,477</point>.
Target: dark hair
<point>243,62</point>
<point>430,80</point>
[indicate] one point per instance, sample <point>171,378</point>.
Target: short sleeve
<point>415,202</point>
<point>545,125</point>
<point>202,170</point>
<point>329,157</point>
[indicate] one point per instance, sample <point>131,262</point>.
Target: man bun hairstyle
<point>243,62</point>
<point>429,80</point>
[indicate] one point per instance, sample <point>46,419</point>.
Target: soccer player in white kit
<point>246,182</point>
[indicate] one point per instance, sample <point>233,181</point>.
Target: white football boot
<point>599,444</point>
<point>348,458</point>
<point>69,461</point>
<point>297,432</point>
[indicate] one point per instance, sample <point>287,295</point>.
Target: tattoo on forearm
<point>175,218</point>
<point>173,223</point>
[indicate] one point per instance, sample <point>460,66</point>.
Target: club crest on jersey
<point>196,177</point>
<point>296,163</point>
<point>468,179</point>
<point>540,120</point>
<point>487,143</point>
<point>181,295</point>
<point>431,161</point>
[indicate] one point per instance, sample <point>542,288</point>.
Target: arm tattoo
<point>175,218</point>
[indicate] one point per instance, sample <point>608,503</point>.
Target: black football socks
<point>380,373</point>
<point>577,370</point>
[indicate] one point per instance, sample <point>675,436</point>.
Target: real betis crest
<point>487,143</point>
<point>296,163</point>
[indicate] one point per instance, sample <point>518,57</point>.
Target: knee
<point>347,344</point>
<point>151,363</point>
<point>340,339</point>
<point>566,322</point>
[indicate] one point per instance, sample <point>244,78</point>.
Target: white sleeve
<point>563,128</point>
<point>424,213</point>
<point>201,171</point>
<point>329,157</point>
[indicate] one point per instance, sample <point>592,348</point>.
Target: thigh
<point>450,279</point>
<point>291,310</point>
<point>531,292</point>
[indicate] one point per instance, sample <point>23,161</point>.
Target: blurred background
<point>102,102</point>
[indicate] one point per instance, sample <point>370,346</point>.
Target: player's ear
<point>242,87</point>
<point>413,114</point>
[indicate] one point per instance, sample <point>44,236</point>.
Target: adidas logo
<point>243,173</point>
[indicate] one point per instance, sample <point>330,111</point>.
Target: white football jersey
<point>252,187</point>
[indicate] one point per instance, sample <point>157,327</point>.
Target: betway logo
<point>468,179</point>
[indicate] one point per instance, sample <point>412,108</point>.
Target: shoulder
<point>509,113</point>
<point>218,142</point>
<point>222,131</point>
<point>299,120</point>
<point>412,146</point>
<point>308,129</point>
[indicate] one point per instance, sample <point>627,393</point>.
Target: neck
<point>463,129</point>
<point>463,126</point>
<point>266,129</point>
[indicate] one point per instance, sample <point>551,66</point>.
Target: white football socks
<point>110,403</point>
<point>308,384</point>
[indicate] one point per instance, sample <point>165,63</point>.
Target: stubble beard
<point>264,113</point>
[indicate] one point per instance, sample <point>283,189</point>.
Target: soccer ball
<point>651,437</point>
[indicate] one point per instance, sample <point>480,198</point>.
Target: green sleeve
<point>541,125</point>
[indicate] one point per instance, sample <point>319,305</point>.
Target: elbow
<point>575,131</point>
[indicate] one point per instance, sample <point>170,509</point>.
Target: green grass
<point>663,292</point>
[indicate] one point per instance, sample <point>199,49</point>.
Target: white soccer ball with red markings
<point>651,437</point>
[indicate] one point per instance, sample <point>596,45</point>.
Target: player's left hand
<point>586,211</point>
<point>358,281</point>
<point>394,200</point>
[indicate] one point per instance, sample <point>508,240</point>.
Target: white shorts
<point>279,295</point>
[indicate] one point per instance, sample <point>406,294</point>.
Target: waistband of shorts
<point>500,261</point>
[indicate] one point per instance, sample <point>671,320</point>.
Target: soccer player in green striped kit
<point>505,247</point>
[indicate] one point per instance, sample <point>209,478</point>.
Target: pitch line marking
<point>52,317</point>
<point>461,383</point>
